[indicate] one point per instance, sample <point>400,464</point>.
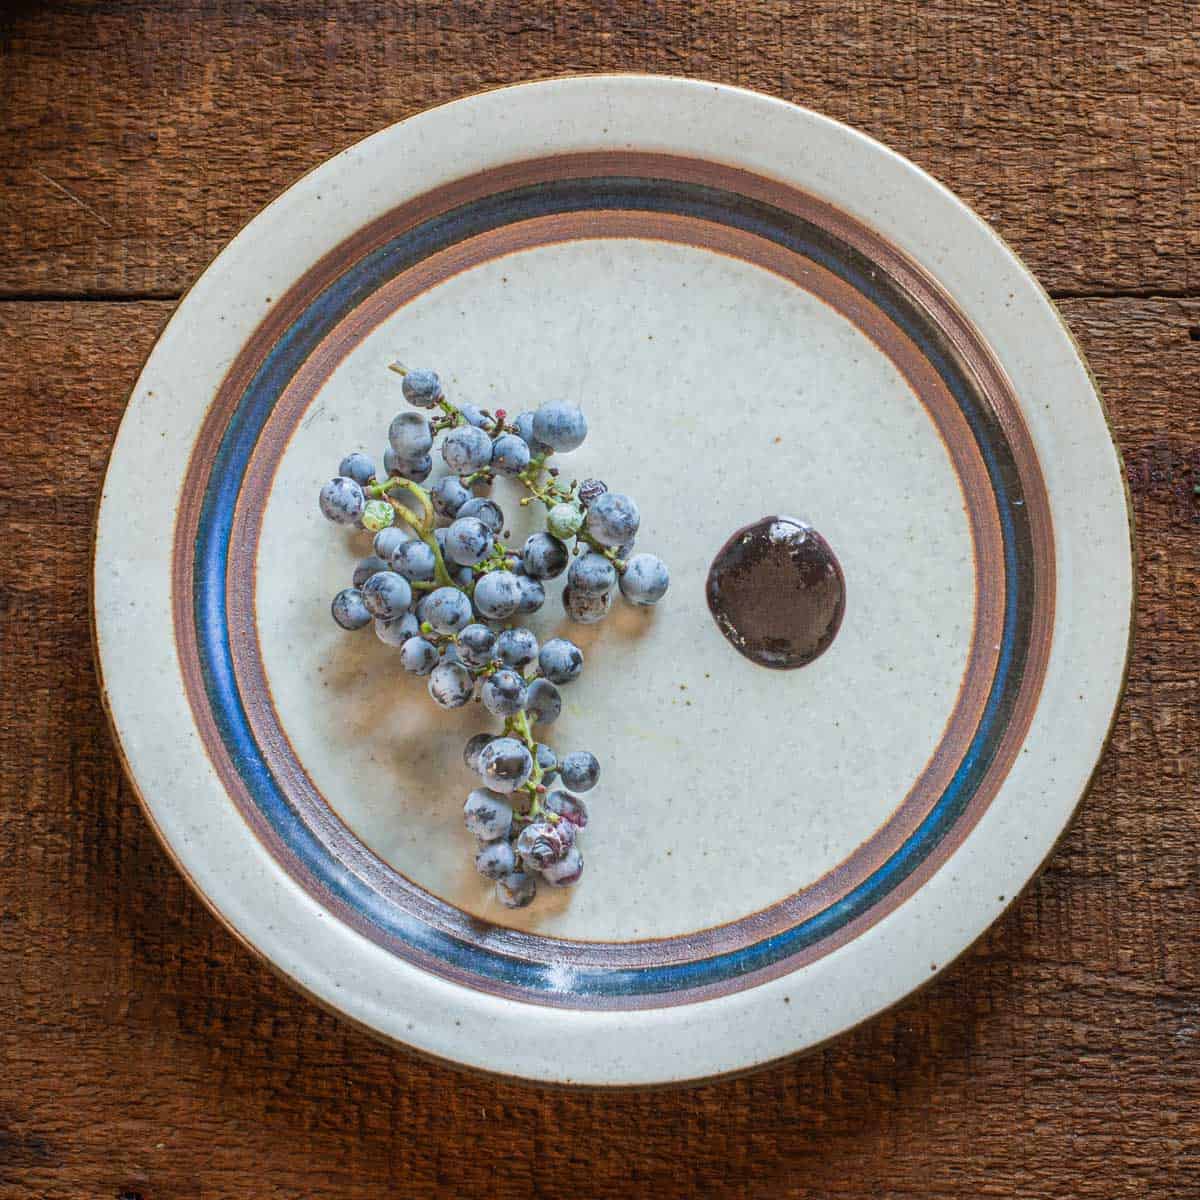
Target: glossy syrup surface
<point>777,592</point>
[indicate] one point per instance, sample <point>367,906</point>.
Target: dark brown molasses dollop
<point>777,592</point>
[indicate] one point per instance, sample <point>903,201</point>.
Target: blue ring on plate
<point>402,252</point>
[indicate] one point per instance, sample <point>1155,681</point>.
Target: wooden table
<point>146,1054</point>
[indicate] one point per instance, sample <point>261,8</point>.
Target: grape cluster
<point>440,579</point>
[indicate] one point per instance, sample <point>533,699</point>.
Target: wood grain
<point>146,1054</point>
<point>139,137</point>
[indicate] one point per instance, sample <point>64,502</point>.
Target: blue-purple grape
<point>567,870</point>
<point>348,609</point>
<point>560,426</point>
<point>447,609</point>
<point>645,580</point>
<point>473,749</point>
<point>485,510</point>
<point>586,607</point>
<point>517,647</point>
<point>591,573</point>
<point>505,764</point>
<point>410,436</point>
<point>570,808</point>
<point>476,644</point>
<point>495,860</point>
<point>398,630</point>
<point>451,685</point>
<point>533,594</point>
<point>448,496</point>
<point>386,594</point>
<point>415,561</point>
<point>466,449</point>
<point>422,388</point>
<point>497,594</point>
<point>579,771</point>
<point>544,842</point>
<point>487,814</point>
<point>544,556</point>
<point>388,541</point>
<point>357,466</point>
<point>504,693</point>
<point>474,415</point>
<point>546,759</point>
<point>366,567</point>
<point>523,424</point>
<point>510,454</point>
<point>399,467</point>
<point>560,660</point>
<point>418,656</point>
<point>517,889</point>
<point>468,541</point>
<point>342,501</point>
<point>543,702</point>
<point>612,519</point>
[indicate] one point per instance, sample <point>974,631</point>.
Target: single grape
<point>463,576</point>
<point>504,693</point>
<point>561,426</point>
<point>533,595</point>
<point>474,747</point>
<point>586,608</point>
<point>468,541</point>
<point>342,501</point>
<point>569,807</point>
<point>386,594</point>
<point>590,489</point>
<point>613,519</point>
<point>366,567</point>
<point>505,764</point>
<point>416,469</point>
<point>543,843</point>
<point>497,594</point>
<point>560,660</point>
<point>591,573</point>
<point>448,496</point>
<point>378,515</point>
<point>524,427</point>
<point>422,388</point>
<point>543,702</point>
<point>544,556</point>
<point>475,645</point>
<point>474,415</point>
<point>398,630</point>
<point>388,541</point>
<point>645,579</point>
<point>410,435</point>
<point>516,890</point>
<point>348,609</point>
<point>414,560</point>
<point>487,814</point>
<point>451,685</point>
<point>510,454</point>
<point>357,466</point>
<point>517,647</point>
<point>485,510</point>
<point>564,520</point>
<point>567,870</point>
<point>447,609</point>
<point>546,759</point>
<point>418,656</point>
<point>496,859</point>
<point>580,771</point>
<point>466,449</point>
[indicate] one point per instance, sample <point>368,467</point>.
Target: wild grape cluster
<point>438,592</point>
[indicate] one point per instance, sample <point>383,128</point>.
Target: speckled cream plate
<point>761,311</point>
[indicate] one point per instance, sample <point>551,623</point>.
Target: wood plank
<point>147,1053</point>
<point>139,137</point>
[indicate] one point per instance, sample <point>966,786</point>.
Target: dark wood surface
<point>144,1053</point>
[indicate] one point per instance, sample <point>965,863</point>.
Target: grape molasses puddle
<point>777,592</point>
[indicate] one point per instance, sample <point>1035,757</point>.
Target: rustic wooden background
<point>145,1054</point>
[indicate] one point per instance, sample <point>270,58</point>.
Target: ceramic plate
<point>761,312</point>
